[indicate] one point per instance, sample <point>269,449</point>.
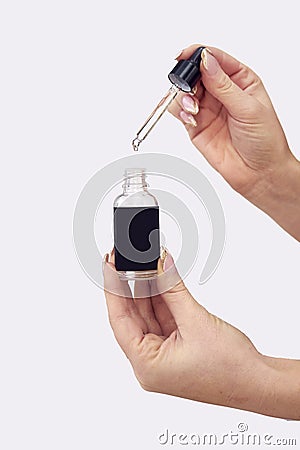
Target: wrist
<point>278,195</point>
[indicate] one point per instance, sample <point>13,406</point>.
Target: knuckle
<point>225,83</point>
<point>249,78</point>
<point>254,84</point>
<point>257,81</point>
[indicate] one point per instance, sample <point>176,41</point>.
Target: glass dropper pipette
<point>183,77</point>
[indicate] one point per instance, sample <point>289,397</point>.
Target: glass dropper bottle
<point>183,77</point>
<point>136,228</point>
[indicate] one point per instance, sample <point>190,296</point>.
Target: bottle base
<point>137,275</point>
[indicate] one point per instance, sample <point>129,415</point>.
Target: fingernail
<point>189,104</point>
<point>111,254</point>
<point>178,54</point>
<point>208,50</point>
<point>209,62</point>
<point>105,260</point>
<point>168,262</point>
<point>163,254</point>
<point>188,118</point>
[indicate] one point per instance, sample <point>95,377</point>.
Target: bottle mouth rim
<point>133,171</point>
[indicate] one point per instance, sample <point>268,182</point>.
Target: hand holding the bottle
<point>177,347</point>
<point>232,122</point>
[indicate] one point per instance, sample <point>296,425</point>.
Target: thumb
<point>172,290</point>
<point>221,86</point>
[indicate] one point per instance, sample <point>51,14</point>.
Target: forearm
<point>271,388</point>
<point>278,195</point>
<point>286,387</point>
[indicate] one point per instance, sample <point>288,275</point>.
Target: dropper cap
<point>186,73</point>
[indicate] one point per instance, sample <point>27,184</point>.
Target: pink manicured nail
<point>178,54</point>
<point>112,255</point>
<point>164,253</point>
<point>168,262</point>
<point>105,260</point>
<point>209,62</point>
<point>188,118</point>
<point>189,104</point>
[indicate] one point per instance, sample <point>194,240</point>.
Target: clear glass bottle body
<point>136,218</point>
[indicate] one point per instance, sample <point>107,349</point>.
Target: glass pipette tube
<point>155,116</point>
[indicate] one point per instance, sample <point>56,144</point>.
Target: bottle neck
<point>134,182</point>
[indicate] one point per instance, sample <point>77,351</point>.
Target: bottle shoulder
<point>142,198</point>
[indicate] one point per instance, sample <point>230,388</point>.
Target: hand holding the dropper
<point>232,122</point>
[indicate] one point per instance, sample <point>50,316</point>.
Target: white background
<point>77,80</point>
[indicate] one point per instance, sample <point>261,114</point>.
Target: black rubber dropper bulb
<point>186,73</point>
<point>183,77</point>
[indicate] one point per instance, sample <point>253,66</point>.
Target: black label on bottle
<point>136,238</point>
